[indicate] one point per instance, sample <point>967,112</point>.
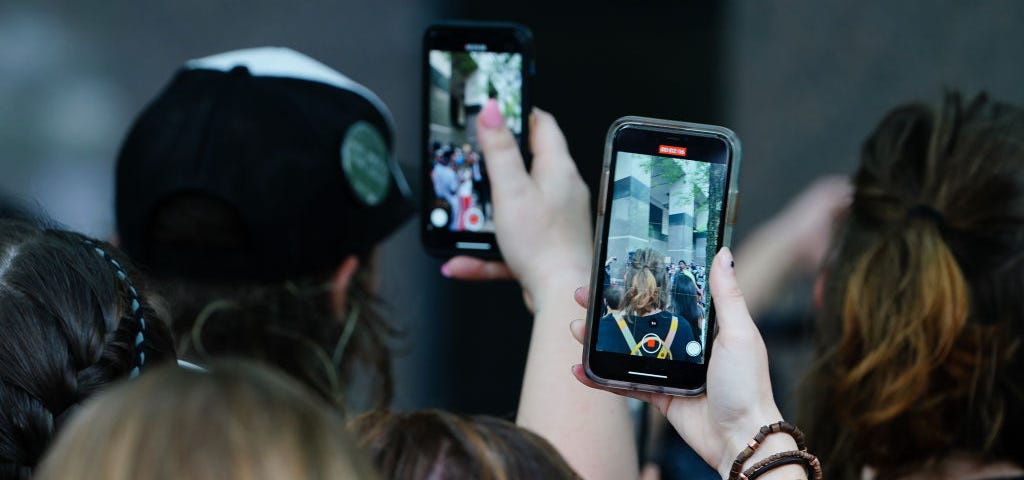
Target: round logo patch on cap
<point>364,159</point>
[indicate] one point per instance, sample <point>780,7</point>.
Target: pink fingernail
<point>445,271</point>
<point>490,115</point>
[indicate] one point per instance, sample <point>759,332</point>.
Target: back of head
<point>297,159</point>
<point>645,282</point>
<point>242,187</point>
<point>684,298</point>
<point>289,324</point>
<point>923,314</point>
<point>613,296</point>
<point>436,445</point>
<point>234,421</point>
<point>74,318</point>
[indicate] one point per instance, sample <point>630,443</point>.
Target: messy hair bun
<point>922,322</point>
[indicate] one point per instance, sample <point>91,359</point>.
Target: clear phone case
<point>732,199</point>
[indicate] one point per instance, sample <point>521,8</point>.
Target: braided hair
<point>73,321</point>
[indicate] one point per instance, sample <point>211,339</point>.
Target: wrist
<point>770,444</point>
<point>741,432</point>
<point>556,286</point>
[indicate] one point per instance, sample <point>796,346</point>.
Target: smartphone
<point>667,204</point>
<point>466,64</point>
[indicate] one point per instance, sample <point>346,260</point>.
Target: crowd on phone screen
<point>921,313</point>
<point>461,185</point>
<point>642,314</point>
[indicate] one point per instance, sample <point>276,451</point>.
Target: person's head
<point>74,317</point>
<point>436,445</point>
<point>613,297</point>
<point>255,189</point>
<point>645,282</point>
<point>684,298</point>
<point>682,265</point>
<point>236,420</point>
<point>923,316</point>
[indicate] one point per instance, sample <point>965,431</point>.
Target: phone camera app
<point>663,226</point>
<point>461,82</point>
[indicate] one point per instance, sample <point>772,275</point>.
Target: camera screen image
<point>461,83</point>
<point>661,237</point>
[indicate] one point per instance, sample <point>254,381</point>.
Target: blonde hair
<point>236,421</point>
<point>645,282</point>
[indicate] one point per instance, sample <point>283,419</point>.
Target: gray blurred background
<point>801,81</point>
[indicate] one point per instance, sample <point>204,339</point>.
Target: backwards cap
<point>295,160</point>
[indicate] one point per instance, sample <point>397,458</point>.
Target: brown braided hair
<point>70,327</point>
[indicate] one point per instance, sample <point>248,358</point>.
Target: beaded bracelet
<point>810,462</point>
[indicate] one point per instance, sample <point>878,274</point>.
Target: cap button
<point>240,70</point>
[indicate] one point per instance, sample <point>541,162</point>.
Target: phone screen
<point>665,203</point>
<point>461,83</point>
<point>661,239</point>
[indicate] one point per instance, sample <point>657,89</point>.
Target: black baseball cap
<point>259,164</point>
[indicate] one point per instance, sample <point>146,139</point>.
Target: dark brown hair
<point>435,445</point>
<point>74,317</point>
<point>290,324</point>
<point>921,329</point>
<point>237,420</point>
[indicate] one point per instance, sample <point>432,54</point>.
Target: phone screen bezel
<point>454,36</point>
<point>613,369</point>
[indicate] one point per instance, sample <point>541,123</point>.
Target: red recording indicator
<point>670,150</point>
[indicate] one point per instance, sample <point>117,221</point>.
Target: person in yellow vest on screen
<point>643,327</point>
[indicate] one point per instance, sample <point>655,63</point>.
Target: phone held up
<point>667,204</point>
<point>466,65</point>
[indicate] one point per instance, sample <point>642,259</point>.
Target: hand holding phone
<point>739,393</point>
<point>666,207</point>
<point>467,65</point>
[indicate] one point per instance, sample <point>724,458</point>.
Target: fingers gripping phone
<point>666,206</point>
<point>465,65</point>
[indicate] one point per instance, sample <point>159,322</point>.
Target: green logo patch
<point>364,159</point>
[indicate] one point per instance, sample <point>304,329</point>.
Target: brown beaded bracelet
<point>785,458</point>
<point>810,463</point>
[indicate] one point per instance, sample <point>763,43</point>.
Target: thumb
<point>731,309</point>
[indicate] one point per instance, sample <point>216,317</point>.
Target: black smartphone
<point>667,205</point>
<point>465,65</point>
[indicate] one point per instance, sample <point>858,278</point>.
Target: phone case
<point>732,196</point>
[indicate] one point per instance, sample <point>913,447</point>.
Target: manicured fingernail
<point>446,271</point>
<point>727,256</point>
<point>490,115</point>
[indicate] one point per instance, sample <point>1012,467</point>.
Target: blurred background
<point>801,81</point>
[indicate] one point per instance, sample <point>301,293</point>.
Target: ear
<point>115,240</point>
<point>339,284</point>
